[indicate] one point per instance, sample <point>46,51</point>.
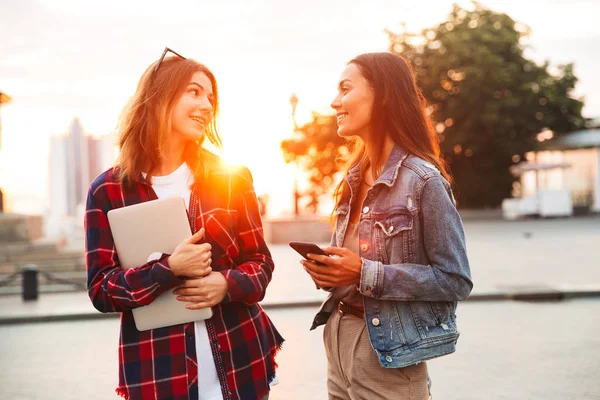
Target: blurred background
<point>514,94</point>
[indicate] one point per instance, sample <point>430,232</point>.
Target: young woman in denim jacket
<point>399,262</point>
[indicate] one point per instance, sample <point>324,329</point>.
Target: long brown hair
<point>399,111</point>
<point>145,123</point>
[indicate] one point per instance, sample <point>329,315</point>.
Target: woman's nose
<point>335,104</point>
<point>205,105</point>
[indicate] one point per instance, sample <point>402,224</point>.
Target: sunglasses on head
<point>162,57</point>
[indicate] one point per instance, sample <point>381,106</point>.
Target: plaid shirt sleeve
<point>111,288</point>
<point>247,282</point>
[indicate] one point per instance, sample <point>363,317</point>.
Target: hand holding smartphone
<point>304,248</point>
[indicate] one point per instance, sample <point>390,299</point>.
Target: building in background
<point>581,152</point>
<point>75,160</point>
<point>560,179</point>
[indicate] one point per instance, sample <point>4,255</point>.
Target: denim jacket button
<point>366,209</point>
<point>388,359</point>
<point>364,247</point>
<point>375,321</point>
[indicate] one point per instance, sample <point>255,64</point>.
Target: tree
<point>315,149</point>
<point>487,100</point>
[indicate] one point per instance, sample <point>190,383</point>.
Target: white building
<point>75,160</point>
<point>568,167</point>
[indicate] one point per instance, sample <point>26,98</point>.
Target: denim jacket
<point>415,265</point>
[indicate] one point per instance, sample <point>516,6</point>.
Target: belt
<point>345,309</point>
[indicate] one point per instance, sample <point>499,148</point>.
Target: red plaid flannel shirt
<point>161,363</point>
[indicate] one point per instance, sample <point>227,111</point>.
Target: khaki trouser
<point>353,371</point>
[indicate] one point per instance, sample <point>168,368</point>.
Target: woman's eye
<point>194,92</point>
<point>344,89</point>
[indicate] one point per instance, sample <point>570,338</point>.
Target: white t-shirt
<point>178,183</point>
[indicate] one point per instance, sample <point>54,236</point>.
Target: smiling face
<point>353,103</point>
<point>193,112</point>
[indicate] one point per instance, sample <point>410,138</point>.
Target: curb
<point>538,294</point>
<point>28,319</point>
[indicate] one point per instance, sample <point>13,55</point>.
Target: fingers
<point>188,292</point>
<point>195,237</point>
<point>194,283</point>
<point>202,258</point>
<point>315,270</point>
<point>203,272</point>
<point>206,262</point>
<point>320,279</point>
<point>192,291</point>
<point>338,251</point>
<point>204,247</point>
<point>195,291</point>
<point>191,299</point>
<point>199,305</point>
<point>322,259</point>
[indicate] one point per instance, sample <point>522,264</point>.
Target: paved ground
<point>507,350</point>
<point>505,257</point>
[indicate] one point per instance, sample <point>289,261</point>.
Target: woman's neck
<point>373,171</point>
<point>171,159</point>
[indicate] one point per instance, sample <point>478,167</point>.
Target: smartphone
<point>304,248</point>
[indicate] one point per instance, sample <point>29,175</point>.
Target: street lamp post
<point>294,104</point>
<point>4,98</point>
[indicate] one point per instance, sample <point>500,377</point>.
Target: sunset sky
<point>62,59</point>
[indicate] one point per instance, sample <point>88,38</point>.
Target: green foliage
<point>487,100</point>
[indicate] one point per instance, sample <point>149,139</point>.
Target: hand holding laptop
<point>202,292</point>
<point>143,232</point>
<point>204,288</point>
<point>191,259</point>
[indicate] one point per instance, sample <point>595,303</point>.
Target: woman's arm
<point>247,282</point>
<point>111,288</point>
<point>447,277</point>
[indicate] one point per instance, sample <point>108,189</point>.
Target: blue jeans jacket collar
<point>388,175</point>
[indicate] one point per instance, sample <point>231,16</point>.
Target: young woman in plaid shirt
<point>227,262</point>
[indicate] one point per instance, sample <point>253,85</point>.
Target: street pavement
<point>507,350</point>
<point>508,259</point>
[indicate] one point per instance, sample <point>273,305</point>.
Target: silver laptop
<point>143,232</point>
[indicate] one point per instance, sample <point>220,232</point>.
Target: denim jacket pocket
<point>395,233</point>
<point>443,310</point>
<point>424,317</point>
<point>393,224</point>
<point>388,333</point>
